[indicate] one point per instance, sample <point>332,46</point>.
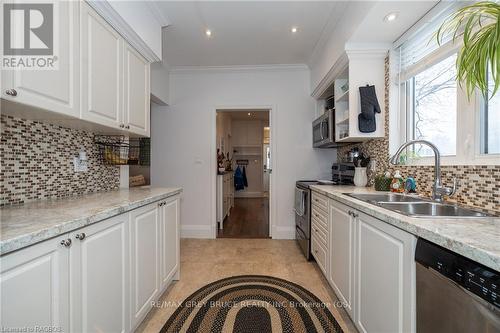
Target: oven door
<point>302,214</point>
<point>304,243</point>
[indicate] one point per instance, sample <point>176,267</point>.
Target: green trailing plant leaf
<point>478,25</point>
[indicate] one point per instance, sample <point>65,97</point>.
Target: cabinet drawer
<point>320,217</point>
<point>320,233</point>
<point>320,201</point>
<point>319,253</point>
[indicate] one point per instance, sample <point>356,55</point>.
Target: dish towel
<point>245,180</point>
<point>369,105</point>
<point>238,180</point>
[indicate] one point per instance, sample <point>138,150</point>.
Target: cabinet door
<point>137,92</point>
<point>100,275</point>
<point>54,90</point>
<point>385,277</point>
<point>34,284</point>
<point>144,260</point>
<point>170,247</point>
<point>255,130</point>
<point>101,57</point>
<point>341,275</point>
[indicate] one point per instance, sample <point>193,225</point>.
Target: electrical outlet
<point>80,165</point>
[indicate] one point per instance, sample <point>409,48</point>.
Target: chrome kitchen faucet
<point>438,190</point>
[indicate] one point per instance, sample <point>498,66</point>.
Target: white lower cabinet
<point>341,273</point>
<point>144,260</point>
<point>385,277</point>
<point>170,240</point>
<point>34,286</point>
<point>100,278</point>
<point>370,266</point>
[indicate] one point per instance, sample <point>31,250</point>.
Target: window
<point>432,108</point>
<point>490,122</point>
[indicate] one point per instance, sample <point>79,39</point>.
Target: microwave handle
<point>321,130</point>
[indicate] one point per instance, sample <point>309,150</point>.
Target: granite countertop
<point>477,239</point>
<point>30,223</point>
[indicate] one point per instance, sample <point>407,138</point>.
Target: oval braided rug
<point>252,303</point>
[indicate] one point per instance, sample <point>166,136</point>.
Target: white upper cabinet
<point>56,90</point>
<point>100,79</point>
<point>100,272</point>
<point>34,284</point>
<point>136,91</point>
<point>101,56</point>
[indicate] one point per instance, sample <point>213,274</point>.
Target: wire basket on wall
<point>117,150</point>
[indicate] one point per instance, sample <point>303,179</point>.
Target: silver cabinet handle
<point>127,127</point>
<point>80,236</point>
<point>122,125</point>
<point>355,215</point>
<point>66,242</point>
<point>11,92</point>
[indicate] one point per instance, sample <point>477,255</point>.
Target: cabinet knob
<point>11,92</point>
<point>80,236</point>
<point>122,125</point>
<point>66,242</point>
<point>127,127</point>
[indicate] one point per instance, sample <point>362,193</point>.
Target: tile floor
<point>206,260</point>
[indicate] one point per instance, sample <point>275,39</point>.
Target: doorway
<point>243,178</point>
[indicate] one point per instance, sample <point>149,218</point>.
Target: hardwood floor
<point>249,218</point>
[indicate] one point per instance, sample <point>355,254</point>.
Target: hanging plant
<point>479,27</point>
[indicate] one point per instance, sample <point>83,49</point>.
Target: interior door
<point>145,260</point>
<point>137,92</point>
<point>34,284</point>
<point>101,57</point>
<point>100,273</point>
<point>55,90</point>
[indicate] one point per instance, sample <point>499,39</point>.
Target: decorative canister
<point>360,177</point>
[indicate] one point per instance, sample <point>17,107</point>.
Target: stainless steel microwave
<point>324,131</point>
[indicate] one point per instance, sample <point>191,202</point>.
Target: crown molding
<point>341,63</point>
<point>241,68</point>
<point>158,13</point>
<point>109,14</point>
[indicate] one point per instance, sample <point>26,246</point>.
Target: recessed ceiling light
<point>391,17</point>
<point>208,32</point>
<point>294,30</point>
<point>249,114</point>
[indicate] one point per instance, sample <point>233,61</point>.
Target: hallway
<point>249,218</point>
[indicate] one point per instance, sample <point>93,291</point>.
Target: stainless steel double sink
<point>416,206</point>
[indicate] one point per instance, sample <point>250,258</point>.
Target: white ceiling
<point>243,32</point>
<point>253,33</point>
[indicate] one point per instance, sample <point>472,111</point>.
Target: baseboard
<point>283,232</point>
<point>196,231</point>
<point>248,194</point>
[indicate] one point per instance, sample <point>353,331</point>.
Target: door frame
<point>213,162</point>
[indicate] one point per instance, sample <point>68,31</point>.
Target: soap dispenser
<point>397,184</point>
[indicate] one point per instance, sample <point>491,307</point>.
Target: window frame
<point>469,117</point>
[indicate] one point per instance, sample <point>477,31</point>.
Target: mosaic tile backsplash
<point>479,185</point>
<point>37,162</point>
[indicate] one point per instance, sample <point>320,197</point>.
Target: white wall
<point>328,51</point>
<point>183,134</point>
<point>159,83</point>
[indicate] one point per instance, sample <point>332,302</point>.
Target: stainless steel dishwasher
<point>454,293</point>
